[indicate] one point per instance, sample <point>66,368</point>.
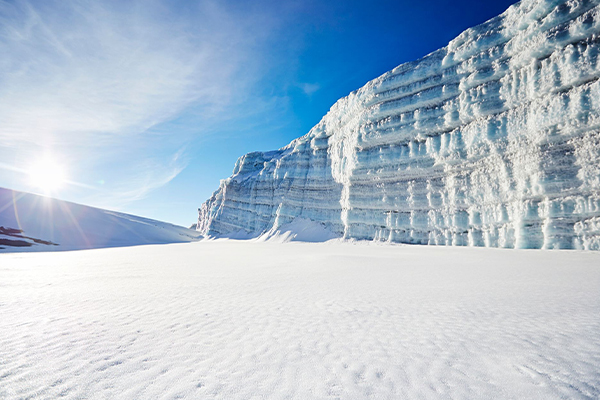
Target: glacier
<point>493,140</point>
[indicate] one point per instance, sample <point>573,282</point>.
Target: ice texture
<point>493,140</point>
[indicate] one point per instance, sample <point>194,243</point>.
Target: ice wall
<point>493,140</point>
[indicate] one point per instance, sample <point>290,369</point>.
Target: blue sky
<point>146,105</point>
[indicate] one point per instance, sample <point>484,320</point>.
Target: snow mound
<point>299,230</point>
<point>29,222</point>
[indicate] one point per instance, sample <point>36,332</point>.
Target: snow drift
<point>30,222</point>
<point>493,141</point>
<point>229,320</point>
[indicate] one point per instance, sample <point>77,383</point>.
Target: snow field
<point>250,320</point>
<point>29,222</point>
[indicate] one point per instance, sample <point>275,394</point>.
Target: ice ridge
<point>493,140</point>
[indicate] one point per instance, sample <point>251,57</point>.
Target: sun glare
<point>47,175</point>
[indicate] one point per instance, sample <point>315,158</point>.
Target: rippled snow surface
<point>250,320</point>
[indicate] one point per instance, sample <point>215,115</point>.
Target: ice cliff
<point>493,140</point>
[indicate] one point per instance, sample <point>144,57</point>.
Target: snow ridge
<point>30,222</point>
<point>493,140</point>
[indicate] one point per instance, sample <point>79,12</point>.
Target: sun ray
<point>75,223</point>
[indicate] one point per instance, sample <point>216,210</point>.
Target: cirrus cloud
<point>90,80</point>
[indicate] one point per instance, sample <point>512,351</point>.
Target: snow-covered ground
<point>254,320</point>
<point>29,222</point>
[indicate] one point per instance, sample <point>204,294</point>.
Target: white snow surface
<point>298,230</point>
<point>29,222</point>
<point>493,140</point>
<point>231,319</point>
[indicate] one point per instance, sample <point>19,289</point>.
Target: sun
<point>47,175</point>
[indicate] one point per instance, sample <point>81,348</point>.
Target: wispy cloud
<point>87,78</point>
<point>309,88</point>
<point>145,176</point>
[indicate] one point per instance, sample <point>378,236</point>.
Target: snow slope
<point>247,320</point>
<point>30,222</point>
<point>491,141</point>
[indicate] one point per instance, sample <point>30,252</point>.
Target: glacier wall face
<point>493,140</point>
